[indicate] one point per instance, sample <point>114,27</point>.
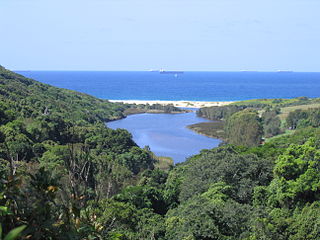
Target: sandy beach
<point>190,104</point>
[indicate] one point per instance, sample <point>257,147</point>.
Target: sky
<point>190,35</point>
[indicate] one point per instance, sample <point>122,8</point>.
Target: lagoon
<point>166,134</point>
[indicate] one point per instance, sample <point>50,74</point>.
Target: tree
<point>296,176</point>
<point>271,123</point>
<point>244,128</point>
<point>288,208</point>
<point>240,171</point>
<point>15,144</point>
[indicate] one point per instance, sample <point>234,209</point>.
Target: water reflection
<point>166,134</point>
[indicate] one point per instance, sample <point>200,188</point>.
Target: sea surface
<point>196,86</point>
<point>166,134</point>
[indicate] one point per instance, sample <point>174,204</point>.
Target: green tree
<point>296,176</point>
<point>244,128</point>
<point>271,123</point>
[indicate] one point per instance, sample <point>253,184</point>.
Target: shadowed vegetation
<point>65,175</point>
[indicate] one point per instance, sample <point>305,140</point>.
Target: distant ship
<point>284,71</point>
<point>244,70</point>
<point>162,71</point>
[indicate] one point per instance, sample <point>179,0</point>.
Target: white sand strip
<point>190,104</point>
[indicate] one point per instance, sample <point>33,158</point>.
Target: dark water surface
<point>166,134</point>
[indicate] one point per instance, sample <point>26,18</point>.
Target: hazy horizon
<point>142,70</point>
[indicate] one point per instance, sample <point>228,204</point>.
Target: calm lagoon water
<point>166,134</point>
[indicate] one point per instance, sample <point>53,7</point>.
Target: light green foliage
<point>291,195</point>
<point>14,233</point>
<point>273,114</point>
<point>15,141</point>
<point>277,102</point>
<point>112,218</point>
<point>65,175</point>
<point>54,157</point>
<point>296,175</point>
<point>217,192</point>
<point>244,128</point>
<point>299,136</point>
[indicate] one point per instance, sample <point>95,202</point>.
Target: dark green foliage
<point>303,118</point>
<point>32,198</point>
<point>29,98</point>
<point>244,128</point>
<point>136,160</point>
<point>271,123</point>
<point>219,113</point>
<point>154,108</point>
<point>211,215</point>
<point>65,175</point>
<point>233,193</point>
<point>306,223</point>
<point>241,171</point>
<point>56,154</point>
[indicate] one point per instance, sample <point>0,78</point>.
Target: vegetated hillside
<point>272,118</point>
<point>31,98</point>
<point>265,192</point>
<point>62,178</point>
<point>57,155</point>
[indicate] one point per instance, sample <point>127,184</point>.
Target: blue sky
<point>212,35</point>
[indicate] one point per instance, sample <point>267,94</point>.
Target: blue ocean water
<point>166,134</point>
<point>196,86</point>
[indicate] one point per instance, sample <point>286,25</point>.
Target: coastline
<point>182,104</point>
<point>213,129</point>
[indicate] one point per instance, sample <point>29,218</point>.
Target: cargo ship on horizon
<point>162,71</point>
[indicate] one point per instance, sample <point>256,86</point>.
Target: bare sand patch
<point>185,104</point>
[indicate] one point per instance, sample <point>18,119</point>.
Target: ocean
<point>192,86</point>
<point>166,134</point>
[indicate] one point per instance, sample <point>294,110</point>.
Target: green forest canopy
<point>65,175</point>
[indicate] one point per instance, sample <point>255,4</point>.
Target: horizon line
<point>155,71</point>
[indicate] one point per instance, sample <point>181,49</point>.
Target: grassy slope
<point>271,102</point>
<point>286,110</point>
<point>278,102</point>
<point>216,130</point>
